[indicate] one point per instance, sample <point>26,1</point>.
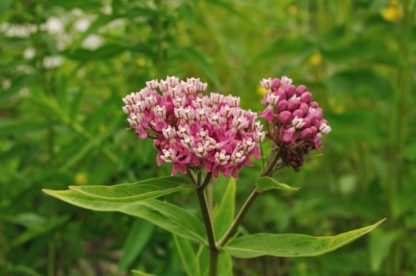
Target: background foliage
<point>65,65</point>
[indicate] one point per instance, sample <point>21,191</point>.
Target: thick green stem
<point>207,219</point>
<point>213,251</point>
<point>213,263</point>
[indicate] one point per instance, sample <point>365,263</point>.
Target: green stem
<point>271,164</point>
<point>213,263</point>
<point>274,158</point>
<point>240,216</point>
<point>213,250</point>
<point>206,181</point>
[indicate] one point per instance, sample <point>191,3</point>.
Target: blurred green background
<point>65,65</point>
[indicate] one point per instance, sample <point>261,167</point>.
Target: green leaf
<point>36,227</point>
<point>224,213</point>
<point>136,240</point>
<point>149,188</point>
<point>266,183</point>
<point>187,256</point>
<point>203,258</point>
<point>4,5</point>
<point>200,59</point>
<point>12,127</point>
<point>225,264</point>
<point>292,245</point>
<point>101,21</point>
<point>141,273</point>
<point>165,215</point>
<point>80,4</point>
<point>106,51</point>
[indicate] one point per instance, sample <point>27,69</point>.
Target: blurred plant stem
<point>399,129</point>
<point>51,258</point>
<point>158,57</point>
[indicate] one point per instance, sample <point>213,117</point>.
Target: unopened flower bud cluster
<point>296,121</point>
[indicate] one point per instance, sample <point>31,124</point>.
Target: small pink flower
<point>192,130</point>
<point>296,122</point>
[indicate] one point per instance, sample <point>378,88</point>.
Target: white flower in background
<point>53,25</point>
<point>117,23</point>
<point>14,30</point>
<point>77,12</point>
<point>63,41</point>
<point>6,84</point>
<point>82,24</point>
<point>29,53</point>
<point>51,62</point>
<point>24,92</point>
<point>24,68</point>
<point>92,42</point>
<point>107,9</point>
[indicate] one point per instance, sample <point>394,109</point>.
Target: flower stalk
<point>201,184</point>
<point>274,158</point>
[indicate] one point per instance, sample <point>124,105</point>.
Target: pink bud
<point>304,107</point>
<point>307,122</point>
<point>318,113</point>
<point>268,114</point>
<point>300,89</point>
<point>313,130</point>
<point>293,104</point>
<point>306,133</point>
<point>290,90</point>
<point>285,117</point>
<point>281,93</point>
<point>298,113</point>
<point>281,105</point>
<point>288,135</point>
<point>314,104</point>
<point>316,142</point>
<point>275,84</point>
<point>306,97</point>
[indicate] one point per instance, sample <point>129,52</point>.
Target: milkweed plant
<point>201,136</point>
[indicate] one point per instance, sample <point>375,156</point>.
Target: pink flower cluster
<point>192,130</point>
<point>295,121</point>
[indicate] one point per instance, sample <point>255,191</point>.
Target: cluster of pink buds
<point>193,130</point>
<point>295,121</point>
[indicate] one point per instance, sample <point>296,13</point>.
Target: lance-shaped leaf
<point>188,258</point>
<point>136,241</point>
<point>149,188</point>
<point>165,215</point>
<point>141,273</point>
<point>292,245</point>
<point>266,183</point>
<point>224,212</point>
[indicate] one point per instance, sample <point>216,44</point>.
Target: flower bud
<point>306,97</point>
<point>285,117</point>
<point>282,106</point>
